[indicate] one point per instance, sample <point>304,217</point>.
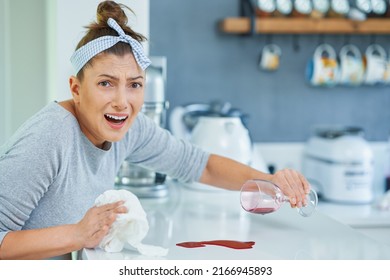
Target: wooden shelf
<point>242,25</point>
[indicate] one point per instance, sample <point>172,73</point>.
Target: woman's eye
<point>136,85</point>
<point>105,83</point>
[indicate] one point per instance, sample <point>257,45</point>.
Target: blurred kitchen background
<point>204,64</point>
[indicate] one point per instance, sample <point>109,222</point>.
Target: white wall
<point>23,55</point>
<point>66,19</point>
<point>3,80</point>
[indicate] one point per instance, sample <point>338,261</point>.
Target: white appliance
<point>338,163</point>
<point>225,136</point>
<point>217,128</point>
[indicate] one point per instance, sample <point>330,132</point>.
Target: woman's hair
<point>106,10</point>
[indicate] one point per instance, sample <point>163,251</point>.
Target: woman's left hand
<point>293,184</point>
<point>97,222</point>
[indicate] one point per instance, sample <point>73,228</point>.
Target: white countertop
<point>359,216</point>
<point>191,215</point>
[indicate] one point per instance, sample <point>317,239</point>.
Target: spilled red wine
<point>224,243</point>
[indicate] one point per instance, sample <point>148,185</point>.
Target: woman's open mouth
<point>116,121</point>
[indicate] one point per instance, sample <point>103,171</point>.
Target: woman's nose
<point>120,101</point>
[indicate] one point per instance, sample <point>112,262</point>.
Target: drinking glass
<point>263,197</point>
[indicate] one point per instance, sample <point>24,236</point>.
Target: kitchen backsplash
<point>205,64</point>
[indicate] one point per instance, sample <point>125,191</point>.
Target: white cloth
<point>130,227</point>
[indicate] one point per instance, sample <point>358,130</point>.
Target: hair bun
<point>110,9</point>
<point>100,27</point>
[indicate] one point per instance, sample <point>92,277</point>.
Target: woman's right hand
<point>97,222</point>
<point>293,184</point>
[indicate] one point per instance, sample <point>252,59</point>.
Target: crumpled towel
<point>384,202</point>
<point>130,227</point>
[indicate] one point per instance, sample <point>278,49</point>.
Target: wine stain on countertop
<point>232,244</point>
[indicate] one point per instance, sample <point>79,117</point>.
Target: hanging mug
<point>322,69</point>
<point>375,64</point>
<point>270,57</point>
<point>351,66</point>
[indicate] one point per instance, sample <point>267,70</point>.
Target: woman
<point>61,159</point>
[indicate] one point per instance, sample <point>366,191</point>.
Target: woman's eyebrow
<point>116,78</point>
<point>109,76</point>
<point>136,78</point>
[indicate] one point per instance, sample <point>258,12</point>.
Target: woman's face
<point>109,97</point>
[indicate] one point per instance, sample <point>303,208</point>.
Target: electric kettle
<point>225,136</point>
<point>216,128</point>
<point>184,118</point>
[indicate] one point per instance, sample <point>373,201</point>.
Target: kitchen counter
<point>359,215</point>
<point>365,218</point>
<point>192,215</point>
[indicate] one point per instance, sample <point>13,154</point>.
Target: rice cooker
<point>338,162</point>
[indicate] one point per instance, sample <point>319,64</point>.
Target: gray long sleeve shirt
<point>51,174</point>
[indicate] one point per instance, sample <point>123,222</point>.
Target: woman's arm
<point>229,174</point>
<point>54,241</point>
<point>39,243</point>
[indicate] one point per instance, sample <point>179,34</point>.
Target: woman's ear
<point>74,85</point>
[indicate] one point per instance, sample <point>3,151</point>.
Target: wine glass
<point>263,197</point>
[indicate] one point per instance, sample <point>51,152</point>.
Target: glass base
<point>312,201</point>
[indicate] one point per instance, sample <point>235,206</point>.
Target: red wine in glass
<point>263,211</point>
<point>264,197</point>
